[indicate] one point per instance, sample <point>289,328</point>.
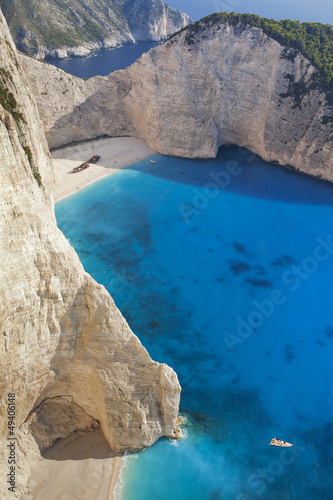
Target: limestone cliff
<point>224,84</point>
<point>76,27</point>
<point>66,351</point>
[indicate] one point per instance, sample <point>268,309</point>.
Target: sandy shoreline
<point>80,466</point>
<point>115,153</point>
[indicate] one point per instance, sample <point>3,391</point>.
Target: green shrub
<point>7,100</point>
<point>35,171</point>
<point>313,40</point>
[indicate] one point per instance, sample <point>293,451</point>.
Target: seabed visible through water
<point>230,284</point>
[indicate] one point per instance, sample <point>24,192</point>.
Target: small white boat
<point>278,442</point>
<point>152,161</point>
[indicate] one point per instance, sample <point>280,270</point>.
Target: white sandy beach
<point>79,467</point>
<point>115,153</point>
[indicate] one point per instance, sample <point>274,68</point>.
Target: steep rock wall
<point>77,27</point>
<point>66,351</point>
<point>224,85</point>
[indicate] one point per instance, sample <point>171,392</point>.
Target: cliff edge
<point>212,84</point>
<point>57,30</point>
<point>67,353</point>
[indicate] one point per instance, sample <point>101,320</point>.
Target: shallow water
<point>102,62</point>
<point>223,268</point>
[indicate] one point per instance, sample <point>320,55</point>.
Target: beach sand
<point>79,467</point>
<point>115,153</point>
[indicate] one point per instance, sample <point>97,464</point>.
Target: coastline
<point>85,50</point>
<point>83,465</point>
<point>115,153</point>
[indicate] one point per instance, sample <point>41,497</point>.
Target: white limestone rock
<point>66,351</point>
<point>77,27</point>
<point>229,85</point>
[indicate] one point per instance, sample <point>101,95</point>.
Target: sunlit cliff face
<point>67,352</point>
<point>221,85</point>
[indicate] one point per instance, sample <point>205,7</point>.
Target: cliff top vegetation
<point>54,24</point>
<point>313,40</point>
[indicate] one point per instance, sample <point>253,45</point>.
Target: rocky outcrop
<point>66,351</point>
<point>77,27</point>
<point>222,85</point>
<point>153,20</point>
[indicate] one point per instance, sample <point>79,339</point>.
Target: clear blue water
<point>102,62</point>
<point>187,263</point>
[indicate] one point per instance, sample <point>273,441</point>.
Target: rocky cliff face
<point>219,85</point>
<point>76,27</point>
<point>66,351</point>
<point>153,19</point>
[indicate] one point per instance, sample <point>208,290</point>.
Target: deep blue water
<point>102,62</point>
<point>224,269</point>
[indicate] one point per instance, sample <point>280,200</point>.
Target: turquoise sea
<point>223,268</point>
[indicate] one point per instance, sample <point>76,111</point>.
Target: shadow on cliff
<point>239,171</point>
<point>81,445</point>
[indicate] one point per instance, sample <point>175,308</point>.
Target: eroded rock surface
<point>66,351</point>
<point>77,27</point>
<point>224,85</point>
